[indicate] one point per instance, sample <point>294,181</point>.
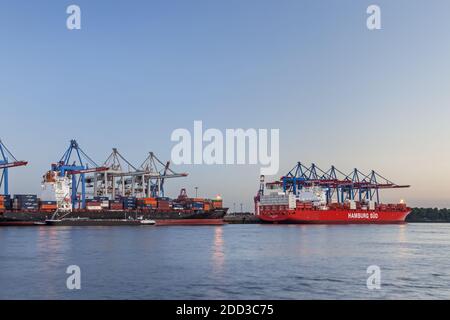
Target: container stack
<point>94,205</point>
<point>163,203</point>
<point>26,202</point>
<point>2,204</point>
<point>217,204</point>
<point>8,202</point>
<point>48,205</point>
<point>147,203</point>
<point>197,205</point>
<point>104,202</point>
<point>129,203</point>
<point>5,202</point>
<point>115,205</point>
<point>305,205</point>
<point>274,199</point>
<point>177,206</point>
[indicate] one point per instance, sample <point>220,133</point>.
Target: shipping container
<point>115,205</point>
<point>217,204</point>
<point>101,198</point>
<point>94,208</point>
<point>28,196</point>
<point>163,204</point>
<point>48,202</point>
<point>197,205</point>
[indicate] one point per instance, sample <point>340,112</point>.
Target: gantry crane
<point>7,161</point>
<point>119,179</point>
<point>338,185</point>
<point>155,173</point>
<point>78,165</point>
<point>125,179</point>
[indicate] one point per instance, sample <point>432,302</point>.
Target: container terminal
<point>78,191</point>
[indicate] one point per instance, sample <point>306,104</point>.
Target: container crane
<point>338,185</point>
<point>120,168</point>
<point>155,173</point>
<point>7,161</point>
<point>81,165</point>
<point>125,179</point>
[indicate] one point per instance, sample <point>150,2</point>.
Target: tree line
<point>429,215</point>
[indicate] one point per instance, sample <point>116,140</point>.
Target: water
<point>226,262</point>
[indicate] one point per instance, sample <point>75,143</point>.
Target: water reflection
<point>293,262</point>
<point>403,249</point>
<point>218,254</point>
<point>52,245</point>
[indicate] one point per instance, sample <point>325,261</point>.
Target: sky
<point>340,94</point>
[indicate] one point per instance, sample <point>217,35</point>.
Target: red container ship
<point>312,196</point>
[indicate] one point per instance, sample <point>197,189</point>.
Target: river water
<point>227,262</point>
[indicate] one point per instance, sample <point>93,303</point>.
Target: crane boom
<point>91,170</point>
<point>13,164</point>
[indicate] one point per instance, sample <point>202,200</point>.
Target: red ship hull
<point>334,216</point>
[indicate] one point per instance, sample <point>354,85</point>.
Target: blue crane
<point>355,185</point>
<point>7,160</point>
<point>75,162</point>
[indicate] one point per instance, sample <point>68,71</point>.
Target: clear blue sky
<point>339,93</point>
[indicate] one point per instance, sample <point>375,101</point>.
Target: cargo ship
<point>29,210</point>
<point>326,199</point>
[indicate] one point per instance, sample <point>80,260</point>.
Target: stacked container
<point>147,203</point>
<point>101,198</point>
<point>2,203</point>
<point>177,206</point>
<point>129,203</point>
<point>5,202</point>
<point>26,202</point>
<point>274,199</point>
<point>115,205</point>
<point>48,205</point>
<point>197,205</point>
<point>163,203</point>
<point>217,204</point>
<point>93,205</point>
<point>104,202</point>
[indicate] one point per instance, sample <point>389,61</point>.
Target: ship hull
<point>94,222</point>
<point>190,222</point>
<point>169,217</point>
<point>334,216</point>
